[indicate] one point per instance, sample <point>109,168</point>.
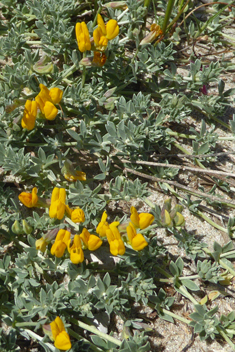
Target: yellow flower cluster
<point>86,240</point>
<point>101,35</point>
<point>56,329</point>
<point>136,240</point>
<point>45,101</point>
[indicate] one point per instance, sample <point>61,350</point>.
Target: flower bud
<point>17,228</point>
<point>26,227</point>
<point>116,5</point>
<point>166,219</point>
<point>44,65</point>
<point>86,61</point>
<point>179,219</point>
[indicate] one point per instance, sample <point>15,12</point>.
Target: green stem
<point>179,287</point>
<point>185,293</point>
<point>227,339</point>
<point>167,15</point>
<point>224,124</point>
<point>39,338</point>
<point>95,331</point>
<point>78,337</point>
<point>84,72</point>
<point>181,5</point>
<point>198,212</point>
<point>227,253</point>
<point>147,3</point>
<point>97,12</point>
<point>180,278</point>
<point>180,135</point>
<point>189,277</point>
<point>34,42</point>
<point>178,15</point>
<point>191,136</point>
<point>186,321</point>
<point>69,72</point>
<point>188,153</point>
<point>26,323</point>
<point>225,266</point>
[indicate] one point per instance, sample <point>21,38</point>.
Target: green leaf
<point>107,280</point>
<point>200,309</point>
<point>180,264</point>
<point>74,135</point>
<point>190,285</point>
<point>204,148</point>
<point>174,269</point>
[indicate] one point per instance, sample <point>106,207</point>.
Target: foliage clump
<point>92,103</point>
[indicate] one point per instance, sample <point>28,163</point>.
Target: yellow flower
<point>46,100</point>
<point>76,252</point>
<point>103,225</point>
<point>30,114</point>
<point>137,240</point>
<point>141,220</point>
<point>155,31</point>
<point>103,33</point>
<point>60,336</point>
<point>99,59</point>
<point>41,244</point>
<point>57,208</point>
<point>45,239</point>
<point>61,242</point>
<point>30,200</point>
<point>110,30</point>
<point>79,175</point>
<point>114,238</point>
<point>56,95</point>
<point>70,174</point>
<point>92,242</point>
<point>100,40</point>
<point>77,215</point>
<point>83,37</point>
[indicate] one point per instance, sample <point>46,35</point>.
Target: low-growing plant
<point>93,103</point>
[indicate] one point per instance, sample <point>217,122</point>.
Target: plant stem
<point>26,323</point>
<point>78,337</point>
<point>39,338</point>
<point>179,287</point>
<point>95,331</point>
<point>225,266</point>
<point>227,339</point>
<point>167,14</point>
<point>211,222</point>
<point>84,72</point>
<point>69,72</point>
<point>191,136</point>
<point>181,278</point>
<point>173,315</point>
<point>227,253</point>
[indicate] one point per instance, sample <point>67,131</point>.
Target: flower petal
<point>145,219</point>
<point>94,243</point>
<point>62,341</point>
<point>134,217</point>
<point>100,23</point>
<point>50,111</point>
<point>112,29</point>
<point>138,243</point>
<point>30,114</point>
<point>55,95</point>
<point>41,244</point>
